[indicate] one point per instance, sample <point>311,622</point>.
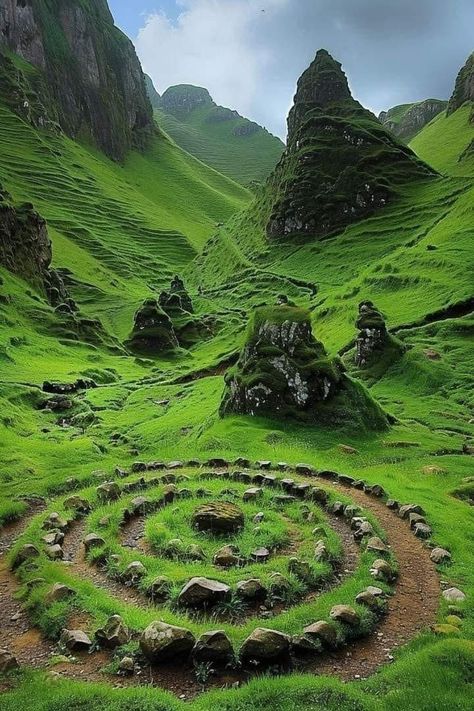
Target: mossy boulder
<point>153,330</point>
<point>283,371</point>
<point>218,517</point>
<point>375,346</point>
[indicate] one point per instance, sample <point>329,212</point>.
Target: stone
<point>251,589</point>
<point>376,545</point>
<point>217,462</point>
<point>303,645</point>
<point>392,504</point>
<point>161,642</point>
<point>415,518</point>
<point>109,491</point>
<point>422,530</point>
<point>126,666</point>
<point>54,521</point>
<point>269,480</point>
<point>367,599</point>
<point>227,557</point>
<point>202,592</point>
<point>218,517</point>
<point>381,570</point>
<point>78,504</point>
<point>433,469</point>
<point>287,484</point>
<point>58,593</point>
<point>375,490</point>
<point>26,553</point>
<point>454,620</point>
<point>351,511</point>
<point>114,633</point>
<point>440,555</point>
<point>140,505</point>
<point>53,538</point>
<point>375,591</point>
<point>282,466</point>
<point>346,614</point>
<point>54,552</point>
<point>214,647</point>
<point>252,494</point>
<point>284,499</point>
<point>174,548</point>
<point>346,480</point>
<point>300,568</point>
<point>260,555</point>
<point>7,661</point>
<point>278,583</point>
<point>337,508</point>
<point>134,571</point>
<point>304,470</point>
<point>263,464</point>
<point>362,528</point>
<point>169,493</point>
<point>93,540</point>
<point>454,595</point>
<point>265,645</point>
<point>405,510</point>
<point>75,640</point>
<point>320,496</point>
<point>153,330</point>
<point>160,588</point>
<point>302,490</point>
<point>195,552</point>
<point>324,632</point>
<point>242,462</point>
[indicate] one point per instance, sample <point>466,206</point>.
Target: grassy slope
<point>243,158</point>
<point>384,258</point>
<point>443,141</point>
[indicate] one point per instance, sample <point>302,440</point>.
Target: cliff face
<point>408,120</point>
<point>182,99</point>
<point>340,165</point>
<point>464,88</point>
<point>91,68</point>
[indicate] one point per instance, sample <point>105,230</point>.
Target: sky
<point>250,53</point>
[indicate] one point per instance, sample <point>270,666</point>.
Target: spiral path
<point>245,567</point>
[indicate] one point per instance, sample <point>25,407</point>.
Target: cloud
<point>250,53</point>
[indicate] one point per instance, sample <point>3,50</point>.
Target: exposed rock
<point>283,371</point>
<point>374,344</point>
<point>251,589</point>
<point>202,592</point>
<point>26,553</point>
<point>78,504</point>
<point>75,640</point>
<point>407,120</point>
<point>195,552</point>
<point>422,530</point>
<point>114,633</point>
<point>278,583</point>
<point>361,528</point>
<point>93,540</point>
<point>180,100</point>
<point>367,599</point>
<point>59,593</point>
<point>153,330</point>
<point>54,521</point>
<point>405,510</point>
<point>322,631</point>
<point>134,571</point>
<point>159,589</point>
<point>464,88</point>
<point>176,301</point>
<point>381,570</point>
<point>126,666</point>
<point>218,517</point>
<point>454,595</point>
<point>300,568</point>
<point>214,647</point>
<point>7,661</point>
<point>440,555</point>
<point>89,62</point>
<point>227,557</point>
<point>265,645</point>
<point>252,493</point>
<point>54,552</point>
<point>54,538</point>
<point>162,642</point>
<point>109,491</point>
<point>260,555</point>
<point>376,545</point>
<point>341,164</point>
<point>346,614</point>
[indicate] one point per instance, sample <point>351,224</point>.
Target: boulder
<point>109,491</point>
<point>159,589</point>
<point>153,330</point>
<point>126,666</point>
<point>161,642</point>
<point>405,510</point>
<point>114,633</point>
<point>393,504</point>
<point>287,484</point>
<point>78,504</point>
<point>278,583</point>
<point>263,464</point>
<point>251,589</point>
<point>7,661</point>
<point>54,521</point>
<point>346,614</point>
<point>454,595</point>
<point>260,555</point>
<point>75,640</point>
<point>367,599</point>
<point>134,571</point>
<point>322,631</point>
<point>320,496</point>
<point>265,645</point>
<point>227,557</point>
<point>53,538</point>
<point>218,517</point>
<point>93,540</point>
<point>195,552</point>
<point>214,647</point>
<point>305,470</point>
<point>362,528</point>
<point>302,645</point>
<point>376,545</point>
<point>422,530</point>
<point>381,570</point>
<point>26,553</point>
<point>252,494</point>
<point>415,518</point>
<point>202,592</point>
<point>58,593</point>
<point>440,555</point>
<point>140,505</point>
<point>54,552</point>
<point>375,591</point>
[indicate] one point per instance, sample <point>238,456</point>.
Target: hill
<point>220,137</point>
<point>407,120</point>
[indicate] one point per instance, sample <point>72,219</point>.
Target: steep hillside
<point>220,137</point>
<point>88,75</point>
<point>406,120</point>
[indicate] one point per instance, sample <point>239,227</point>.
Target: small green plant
<point>203,671</point>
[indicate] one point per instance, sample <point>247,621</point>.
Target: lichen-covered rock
<point>162,642</point>
<point>26,553</point>
<point>283,371</point>
<point>341,164</point>
<point>265,645</point>
<point>440,555</point>
<point>218,517</point>
<point>227,557</point>
<point>108,491</point>
<point>346,614</point>
<point>374,344</point>
<point>114,633</point>
<point>153,330</point>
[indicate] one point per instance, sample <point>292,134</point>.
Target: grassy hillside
<point>243,157</point>
<point>407,120</point>
<point>444,141</point>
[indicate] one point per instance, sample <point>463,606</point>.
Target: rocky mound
<point>180,100</point>
<point>284,371</point>
<point>176,301</point>
<point>88,66</point>
<point>340,165</point>
<point>464,87</point>
<point>406,120</point>
<point>153,330</point>
<point>374,343</point>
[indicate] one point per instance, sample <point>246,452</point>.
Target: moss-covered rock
<point>284,371</point>
<point>153,330</point>
<point>375,346</point>
<point>464,87</point>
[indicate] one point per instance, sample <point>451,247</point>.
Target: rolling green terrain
<point>120,231</point>
<point>233,145</point>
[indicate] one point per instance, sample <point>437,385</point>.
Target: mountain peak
<point>464,88</point>
<point>181,99</point>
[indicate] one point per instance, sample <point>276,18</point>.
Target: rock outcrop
<point>284,371</point>
<point>180,100</point>
<point>374,343</point>
<point>407,120</point>
<point>88,65</point>
<point>464,87</point>
<point>176,302</point>
<point>153,330</point>
<point>340,165</point>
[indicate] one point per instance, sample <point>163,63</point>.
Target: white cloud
<point>211,44</point>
